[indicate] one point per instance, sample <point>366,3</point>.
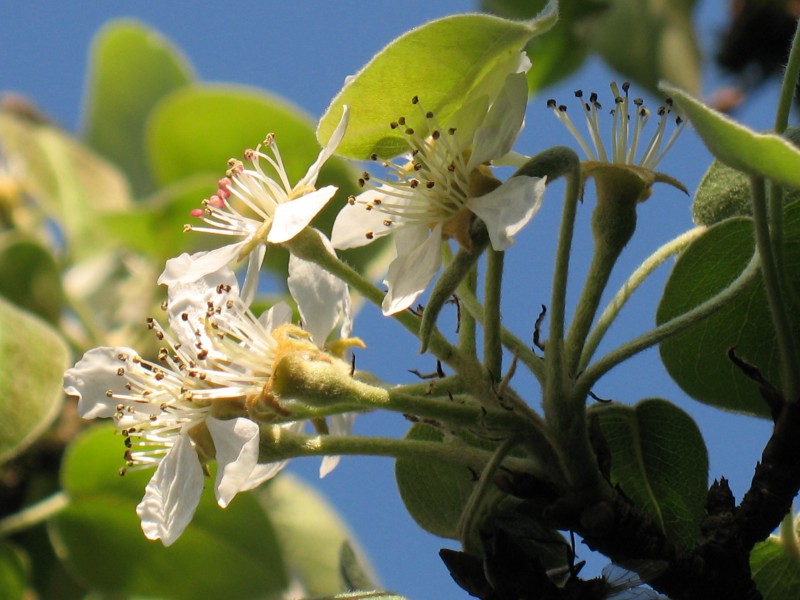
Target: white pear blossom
<point>626,129</point>
<point>194,404</point>
<point>257,206</point>
<point>444,181</point>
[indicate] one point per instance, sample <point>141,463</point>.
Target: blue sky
<point>303,50</point>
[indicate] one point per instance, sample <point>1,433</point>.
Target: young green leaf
<point>30,278</point>
<point>32,361</point>
<point>441,62</point>
<point>14,570</point>
<point>776,567</point>
<point>765,154</point>
<point>659,460</point>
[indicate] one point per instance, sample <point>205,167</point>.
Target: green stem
<point>631,285</point>
<point>34,514</point>
<point>523,352</point>
<point>483,485</point>
<point>492,346</point>
<point>279,444</point>
<point>789,82</point>
<point>787,349</point>
<point>594,372</point>
<point>467,339</point>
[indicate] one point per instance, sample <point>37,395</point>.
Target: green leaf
<point>14,568</point>
<point>696,358</point>
<point>222,554</point>
<point>131,68</point>
<point>560,51</point>
<point>32,361</point>
<point>310,531</point>
<point>30,278</point>
<point>659,460</point>
<point>354,575</point>
<point>649,41</point>
<point>434,494</point>
<point>441,62</point>
<point>765,154</point>
<point>775,564</point>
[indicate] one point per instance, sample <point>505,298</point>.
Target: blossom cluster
<point>209,394</point>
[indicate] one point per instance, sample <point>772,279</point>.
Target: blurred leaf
<point>723,193</point>
<point>310,531</point>
<point>69,183</point>
<point>559,51</point>
<point>30,278</point>
<point>441,62</point>
<point>434,494</point>
<point>776,567</point>
<point>649,41</point>
<point>659,460</point>
<point>131,68</point>
<point>697,357</point>
<point>32,361</point>
<point>14,567</point>
<point>354,575</point>
<point>227,554</point>
<point>766,154</point>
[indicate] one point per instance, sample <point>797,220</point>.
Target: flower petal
<point>320,297</point>
<point>278,314</point>
<point>251,278</point>
<point>339,425</point>
<point>411,272</point>
<point>293,216</point>
<point>93,376</point>
<point>495,137</point>
<point>236,443</point>
<point>508,209</point>
<point>355,220</point>
<point>310,178</point>
<point>172,495</point>
<point>190,268</point>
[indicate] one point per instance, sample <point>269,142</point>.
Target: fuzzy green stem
<point>630,286</point>
<point>595,371</point>
<point>492,346</point>
<point>787,348</point>
<point>790,76</point>
<point>467,341</point>
<point>34,514</point>
<point>534,363</point>
<point>279,444</point>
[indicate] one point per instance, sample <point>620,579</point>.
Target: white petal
<point>236,443</point>
<point>92,376</point>
<point>495,137</point>
<point>187,269</point>
<point>355,220</point>
<point>251,278</point>
<point>173,493</point>
<point>508,209</point>
<point>279,314</point>
<point>320,297</point>
<point>411,272</point>
<point>310,178</point>
<point>293,216</point>
<point>339,425</point>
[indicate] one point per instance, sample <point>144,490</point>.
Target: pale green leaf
<point>775,564</point>
<point>14,569</point>
<point>30,278</point>
<point>32,361</point>
<point>764,154</point>
<point>659,461</point>
<point>439,62</point>
<point>131,68</point>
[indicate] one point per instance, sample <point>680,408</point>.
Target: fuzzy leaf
<point>440,62</point>
<point>776,568</point>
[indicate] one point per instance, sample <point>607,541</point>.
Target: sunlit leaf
<point>659,461</point>
<point>697,357</point>
<point>222,554</point>
<point>649,41</point>
<point>440,62</point>
<point>766,154</point>
<point>776,567</point>
<point>32,361</point>
<point>310,531</point>
<point>131,68</point>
